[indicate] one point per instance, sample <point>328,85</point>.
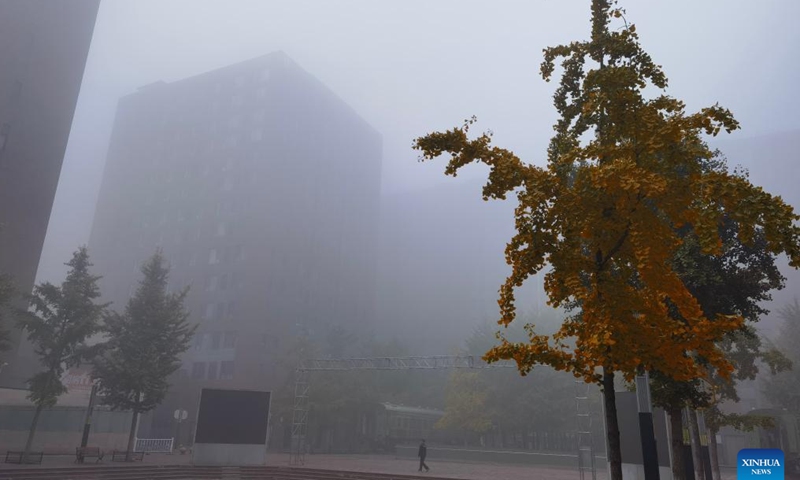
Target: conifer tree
<point>144,345</point>
<point>59,324</point>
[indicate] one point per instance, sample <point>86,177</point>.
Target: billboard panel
<point>234,417</point>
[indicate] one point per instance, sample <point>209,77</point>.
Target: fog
<point>417,256</point>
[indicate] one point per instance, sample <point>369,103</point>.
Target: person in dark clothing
<point>423,452</point>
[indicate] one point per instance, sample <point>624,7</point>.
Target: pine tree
<point>59,323</point>
<point>144,345</point>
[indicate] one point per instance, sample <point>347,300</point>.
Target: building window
<point>221,230</point>
<point>260,115</point>
<point>223,281</point>
<point>216,340</point>
<point>269,341</point>
<point>212,370</point>
<point>198,370</point>
<point>265,74</point>
<point>210,311</point>
<point>213,259</point>
<point>239,81</point>
<point>227,184</point>
<point>229,340</point>
<point>230,308</point>
<point>226,370</point>
<point>211,283</point>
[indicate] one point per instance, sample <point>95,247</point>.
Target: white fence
<point>154,445</point>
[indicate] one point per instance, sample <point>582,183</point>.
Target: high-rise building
<point>43,50</point>
<point>262,188</point>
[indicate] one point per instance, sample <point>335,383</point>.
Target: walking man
<point>423,452</point>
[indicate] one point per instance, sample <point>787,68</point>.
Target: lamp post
<point>87,423</point>
<point>646,431</point>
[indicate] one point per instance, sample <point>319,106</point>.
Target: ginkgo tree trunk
<point>624,174</point>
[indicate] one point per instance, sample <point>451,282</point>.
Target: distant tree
<point>783,390</point>
<point>7,293</point>
<point>623,174</point>
<point>542,402</point>
<point>465,405</point>
<point>59,323</point>
<point>144,345</point>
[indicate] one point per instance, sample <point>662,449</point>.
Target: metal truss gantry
<point>302,385</point>
<point>584,437</point>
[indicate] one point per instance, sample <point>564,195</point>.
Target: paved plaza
<point>390,464</point>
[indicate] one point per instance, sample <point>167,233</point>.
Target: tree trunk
<point>132,436</point>
<point>31,433</point>
<point>697,456</point>
<point>712,451</point>
<point>676,440</point>
<point>612,426</point>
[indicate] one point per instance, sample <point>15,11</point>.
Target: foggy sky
<point>409,67</point>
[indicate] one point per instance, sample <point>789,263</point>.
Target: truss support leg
<point>299,418</point>
<point>584,437</point>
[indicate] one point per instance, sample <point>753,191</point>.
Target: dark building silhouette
<point>262,188</point>
<point>43,50</point>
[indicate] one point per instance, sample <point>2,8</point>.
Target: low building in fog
<point>262,187</point>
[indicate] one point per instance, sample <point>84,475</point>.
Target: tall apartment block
<point>43,50</point>
<point>262,188</point>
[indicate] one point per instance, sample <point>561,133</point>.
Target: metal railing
<point>153,445</point>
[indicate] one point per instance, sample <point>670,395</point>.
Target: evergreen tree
<point>59,323</point>
<point>736,282</point>
<point>7,292</point>
<point>144,345</point>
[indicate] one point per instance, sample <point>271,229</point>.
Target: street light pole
<point>87,423</point>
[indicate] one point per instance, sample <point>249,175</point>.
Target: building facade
<point>262,189</point>
<point>43,50</point>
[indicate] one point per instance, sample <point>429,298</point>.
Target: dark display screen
<point>233,417</point>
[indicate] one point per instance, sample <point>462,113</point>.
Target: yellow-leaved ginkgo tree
<point>624,174</point>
